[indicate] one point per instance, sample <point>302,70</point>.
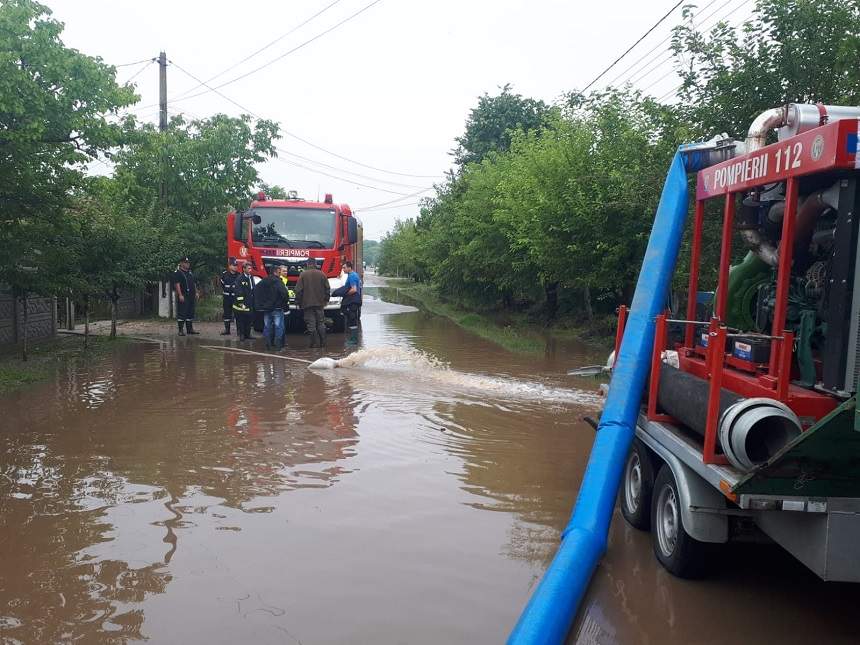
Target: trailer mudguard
<point>699,499</point>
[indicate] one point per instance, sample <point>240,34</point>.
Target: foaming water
<point>414,364</point>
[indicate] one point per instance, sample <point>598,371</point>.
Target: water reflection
<point>757,594</point>
<point>105,471</point>
<point>179,494</point>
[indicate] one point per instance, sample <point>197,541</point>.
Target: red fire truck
<point>289,232</point>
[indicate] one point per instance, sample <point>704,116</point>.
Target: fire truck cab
<point>290,232</point>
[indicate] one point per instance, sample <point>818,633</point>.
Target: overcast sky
<point>390,88</point>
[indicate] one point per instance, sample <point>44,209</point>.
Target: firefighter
<point>243,302</point>
<point>187,296</point>
<point>228,293</point>
<point>291,297</point>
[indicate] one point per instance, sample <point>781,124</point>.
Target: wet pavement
<point>181,494</point>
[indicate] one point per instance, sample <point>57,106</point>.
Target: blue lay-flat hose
<point>550,612</point>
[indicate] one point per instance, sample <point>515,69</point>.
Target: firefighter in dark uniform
<point>228,293</point>
<point>186,296</point>
<point>243,302</point>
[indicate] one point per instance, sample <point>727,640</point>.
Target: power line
<point>385,208</point>
<point>391,201</point>
<point>137,62</point>
<point>643,71</point>
<point>350,181</point>
<point>349,172</point>
<point>358,163</point>
<point>284,55</point>
<point>679,86</point>
<point>654,48</point>
<point>629,49</point>
<point>263,48</point>
<point>138,72</point>
<point>297,137</point>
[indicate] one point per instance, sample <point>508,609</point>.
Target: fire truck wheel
<point>637,486</point>
<point>679,553</point>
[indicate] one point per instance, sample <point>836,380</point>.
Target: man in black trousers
<point>228,293</point>
<point>187,296</point>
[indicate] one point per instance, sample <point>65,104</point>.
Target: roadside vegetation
<point>68,229</point>
<point>548,208</point>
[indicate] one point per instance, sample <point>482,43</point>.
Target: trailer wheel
<point>679,553</point>
<point>637,487</point>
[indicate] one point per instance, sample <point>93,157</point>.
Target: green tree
<point>114,249</point>
<point>208,167</point>
<point>370,252</point>
<point>491,122</point>
<point>789,51</point>
<point>55,114</point>
<point>273,191</point>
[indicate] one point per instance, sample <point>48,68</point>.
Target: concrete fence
<point>41,318</point>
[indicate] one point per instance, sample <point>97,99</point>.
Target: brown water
<point>184,495</point>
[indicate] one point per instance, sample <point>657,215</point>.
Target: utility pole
<point>162,127</point>
<point>162,91</point>
<point>162,115</point>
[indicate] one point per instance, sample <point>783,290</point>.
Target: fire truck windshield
<point>295,227</point>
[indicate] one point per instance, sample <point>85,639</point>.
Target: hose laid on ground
<point>324,363</point>
<point>550,612</point>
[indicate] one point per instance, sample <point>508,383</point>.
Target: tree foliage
<point>67,233</point>
<point>55,104</point>
<point>802,51</point>
<point>553,207</point>
<point>491,122</point>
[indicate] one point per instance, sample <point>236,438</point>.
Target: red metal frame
<point>783,279</point>
<point>829,147</point>
<point>695,258</point>
<point>716,342</point>
<point>725,257</point>
<point>660,336</point>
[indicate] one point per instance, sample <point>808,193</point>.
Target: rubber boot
<point>181,330</point>
<point>189,328</point>
<point>226,331</point>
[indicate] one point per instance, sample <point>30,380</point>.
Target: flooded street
<point>188,495</point>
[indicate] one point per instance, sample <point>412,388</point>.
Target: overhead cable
<point>653,49</point>
<point>138,72</point>
<point>349,172</point>
<point>276,59</point>
<point>350,181</point>
<point>137,62</point>
<point>295,136</point>
<point>263,48</point>
<point>629,49</point>
<point>638,74</point>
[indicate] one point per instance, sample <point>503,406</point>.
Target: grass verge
<point>514,332</point>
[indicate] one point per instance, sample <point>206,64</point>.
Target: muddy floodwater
<point>181,494</point>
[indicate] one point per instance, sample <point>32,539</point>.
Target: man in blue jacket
<point>350,293</point>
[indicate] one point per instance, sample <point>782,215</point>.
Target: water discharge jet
<point>397,362</point>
